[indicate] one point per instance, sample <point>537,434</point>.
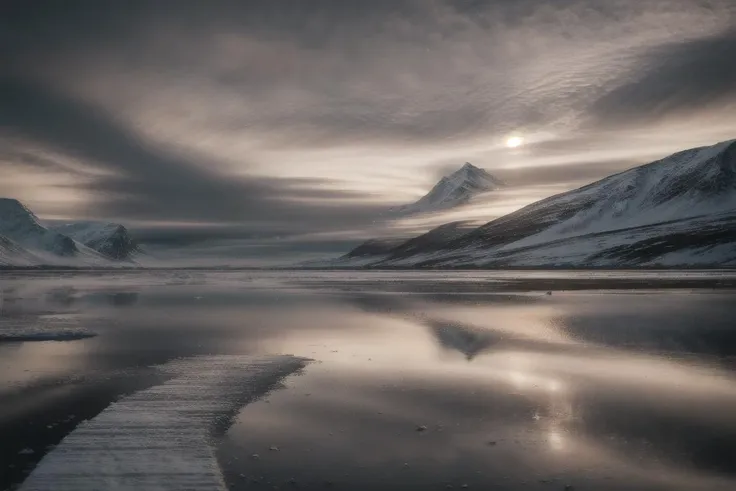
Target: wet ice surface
<point>421,380</point>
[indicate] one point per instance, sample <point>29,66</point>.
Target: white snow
<point>455,189</point>
<point>645,195</point>
<point>86,232</point>
<point>160,438</point>
<point>109,239</point>
<point>24,241</point>
<point>20,225</point>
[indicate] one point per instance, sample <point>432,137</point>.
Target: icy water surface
<point>468,380</point>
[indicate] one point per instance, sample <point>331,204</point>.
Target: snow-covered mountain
<point>19,225</point>
<point>678,211</point>
<point>110,239</point>
<point>454,190</point>
<point>25,241</point>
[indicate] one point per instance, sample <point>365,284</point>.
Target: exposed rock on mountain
<point>110,239</point>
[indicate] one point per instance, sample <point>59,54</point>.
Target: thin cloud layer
<point>672,80</point>
<point>307,119</point>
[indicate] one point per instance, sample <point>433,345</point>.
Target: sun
<point>514,141</point>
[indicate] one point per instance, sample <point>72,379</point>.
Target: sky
<point>280,130</point>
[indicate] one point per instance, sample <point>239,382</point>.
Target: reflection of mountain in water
<point>467,340</point>
<point>122,299</point>
<point>64,296</point>
<point>69,296</point>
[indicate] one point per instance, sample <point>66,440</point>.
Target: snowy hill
<point>677,211</point>
<point>696,182</point>
<point>109,239</point>
<point>24,241</point>
<point>21,226</point>
<point>454,190</point>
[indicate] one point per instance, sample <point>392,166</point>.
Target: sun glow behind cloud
<point>274,117</point>
<point>514,141</point>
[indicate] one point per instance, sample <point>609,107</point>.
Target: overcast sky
<point>285,128</point>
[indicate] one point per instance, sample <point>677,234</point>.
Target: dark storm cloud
<point>145,182</point>
<point>674,78</point>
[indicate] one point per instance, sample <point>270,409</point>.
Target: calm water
<point>599,381</point>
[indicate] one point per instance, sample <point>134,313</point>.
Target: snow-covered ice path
<point>161,438</point>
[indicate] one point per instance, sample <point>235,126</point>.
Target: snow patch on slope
<point>691,183</point>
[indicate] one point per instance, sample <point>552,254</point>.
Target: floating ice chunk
<point>34,333</point>
<point>42,328</point>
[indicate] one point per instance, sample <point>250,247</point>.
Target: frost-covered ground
<point>160,438</point>
<point>420,380</point>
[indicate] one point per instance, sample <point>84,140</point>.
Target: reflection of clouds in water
<point>554,386</point>
<point>555,414</point>
<point>556,440</point>
<point>385,371</point>
<point>366,421</point>
<point>575,384</point>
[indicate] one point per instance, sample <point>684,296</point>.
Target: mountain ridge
<point>26,241</point>
<point>454,190</point>
<point>110,239</point>
<point>20,225</point>
<point>666,206</point>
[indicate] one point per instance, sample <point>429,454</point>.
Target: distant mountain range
<point>454,190</point>
<point>678,211</point>
<point>25,241</point>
